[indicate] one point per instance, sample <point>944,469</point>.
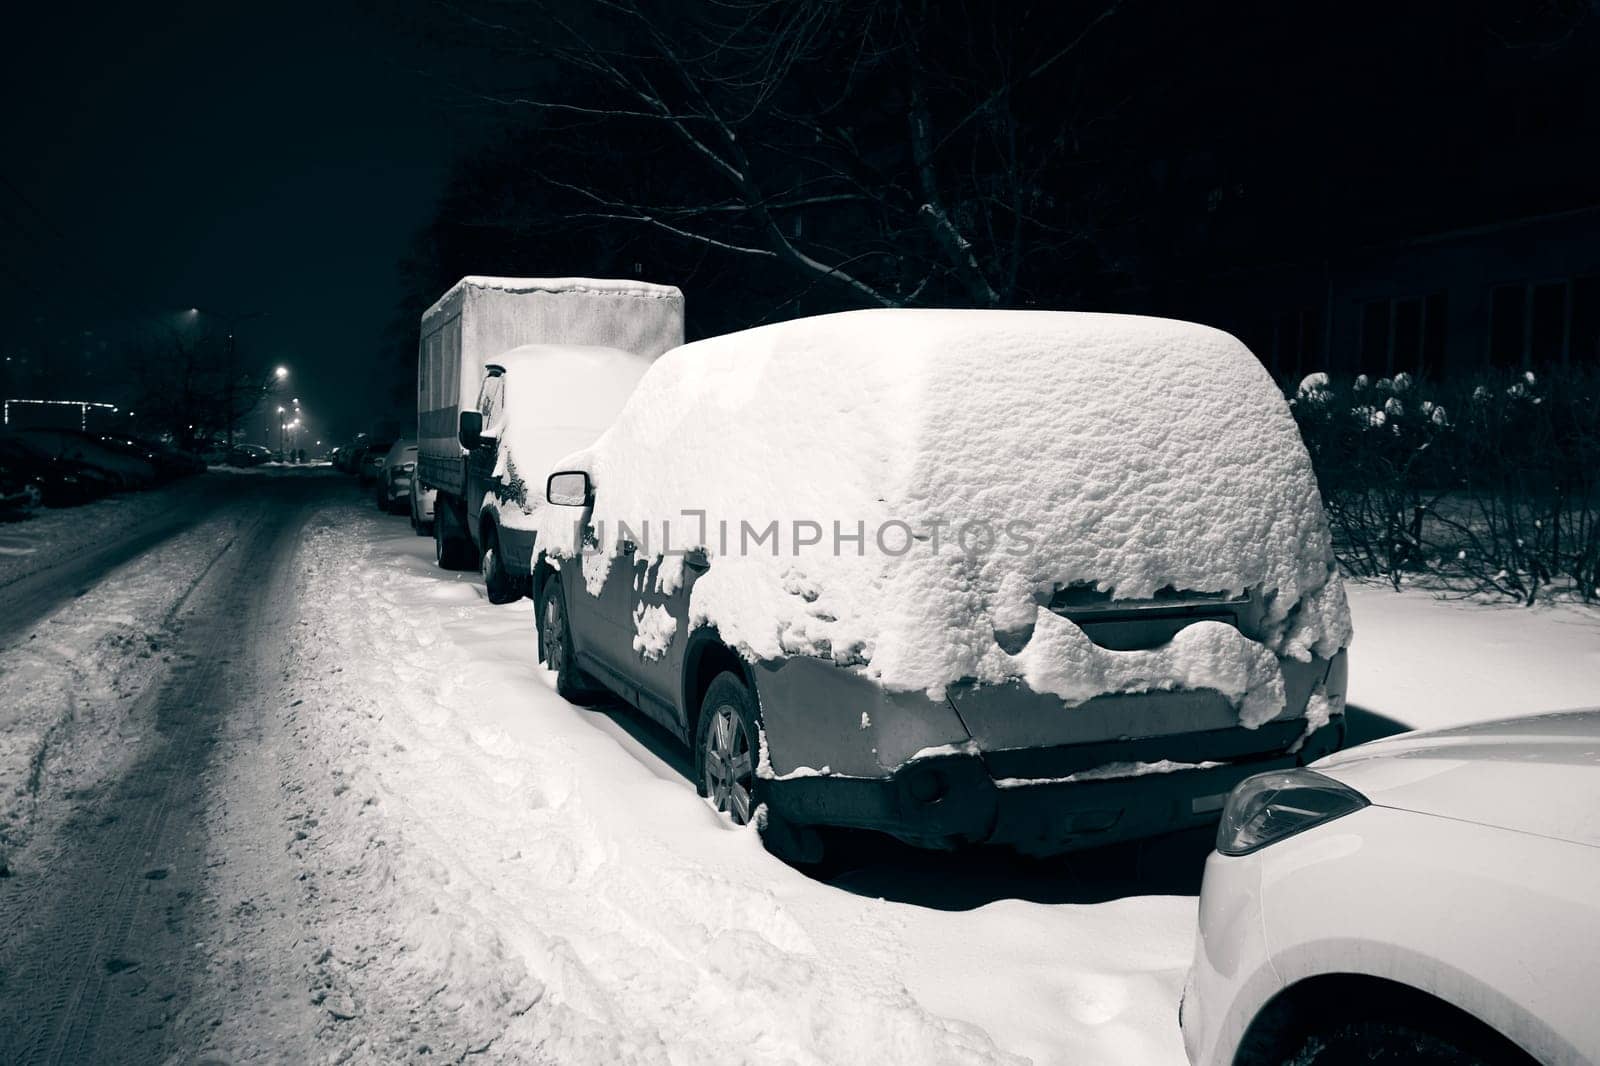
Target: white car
<point>1432,897</point>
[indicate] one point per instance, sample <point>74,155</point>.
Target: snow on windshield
<point>892,488</point>
<point>556,397</point>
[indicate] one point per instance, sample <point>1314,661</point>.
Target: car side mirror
<point>569,488</point>
<point>470,432</point>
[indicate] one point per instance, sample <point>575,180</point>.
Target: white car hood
<point>1538,775</point>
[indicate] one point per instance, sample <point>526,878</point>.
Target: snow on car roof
<point>985,459</point>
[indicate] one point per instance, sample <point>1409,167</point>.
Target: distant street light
<point>281,373</point>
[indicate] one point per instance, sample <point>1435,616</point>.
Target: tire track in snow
<point>100,949</point>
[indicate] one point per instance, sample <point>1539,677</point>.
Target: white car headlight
<point>1268,807</point>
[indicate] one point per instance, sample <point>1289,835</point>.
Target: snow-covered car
<point>248,455</point>
<point>537,403</point>
<point>1039,579</point>
<point>393,483</point>
<point>126,470</point>
<point>1430,897</point>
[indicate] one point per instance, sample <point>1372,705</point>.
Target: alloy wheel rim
<point>729,767</point>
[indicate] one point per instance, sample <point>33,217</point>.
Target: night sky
<point>237,158</point>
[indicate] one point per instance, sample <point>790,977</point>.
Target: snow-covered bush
<point>1489,483</point>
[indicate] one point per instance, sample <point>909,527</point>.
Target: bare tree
<point>892,150</point>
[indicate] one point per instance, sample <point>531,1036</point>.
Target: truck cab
<point>536,404</point>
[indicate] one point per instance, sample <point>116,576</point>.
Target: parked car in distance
<point>168,462</point>
<point>1429,897</point>
<point>248,455</point>
<point>128,470</point>
<point>392,488</point>
<point>61,482</point>
<point>1154,615</point>
<point>175,461</point>
<point>18,494</point>
<point>369,463</point>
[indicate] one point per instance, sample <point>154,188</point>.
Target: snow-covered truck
<point>511,374</point>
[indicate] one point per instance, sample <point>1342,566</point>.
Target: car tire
<point>501,585</point>
<point>727,756</point>
<point>727,749</point>
<point>1363,1043</point>
<point>451,553</point>
<point>555,645</point>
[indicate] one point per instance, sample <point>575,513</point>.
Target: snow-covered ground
<point>1427,662</point>
<point>69,691</point>
<point>46,536</point>
<point>499,871</point>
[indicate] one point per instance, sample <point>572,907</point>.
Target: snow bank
<point>576,902</point>
<point>891,488</point>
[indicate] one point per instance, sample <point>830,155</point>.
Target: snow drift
<point>894,488</point>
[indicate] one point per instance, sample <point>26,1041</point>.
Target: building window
<point>1405,335</point>
<point>1508,326</point>
<point>1544,323</point>
<point>1291,345</point>
<point>1583,340</point>
<point>1374,356</point>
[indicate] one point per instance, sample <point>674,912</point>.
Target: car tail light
<point>1268,807</point>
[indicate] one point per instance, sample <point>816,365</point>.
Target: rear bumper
<point>953,800</point>
<point>1004,765</point>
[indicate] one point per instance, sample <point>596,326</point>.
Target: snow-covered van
<point>1039,579</point>
<point>514,372</point>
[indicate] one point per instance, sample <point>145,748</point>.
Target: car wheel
<point>448,551</point>
<point>555,645</point>
<point>1364,1043</point>
<point>727,749</point>
<point>499,582</point>
<point>727,755</point>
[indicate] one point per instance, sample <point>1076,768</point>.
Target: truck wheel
<point>448,551</point>
<point>499,582</point>
<point>555,645</point>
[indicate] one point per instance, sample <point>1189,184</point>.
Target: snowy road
<point>279,790</point>
<point>112,706</point>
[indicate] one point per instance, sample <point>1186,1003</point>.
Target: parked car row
<point>740,538</point>
<point>63,467</point>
